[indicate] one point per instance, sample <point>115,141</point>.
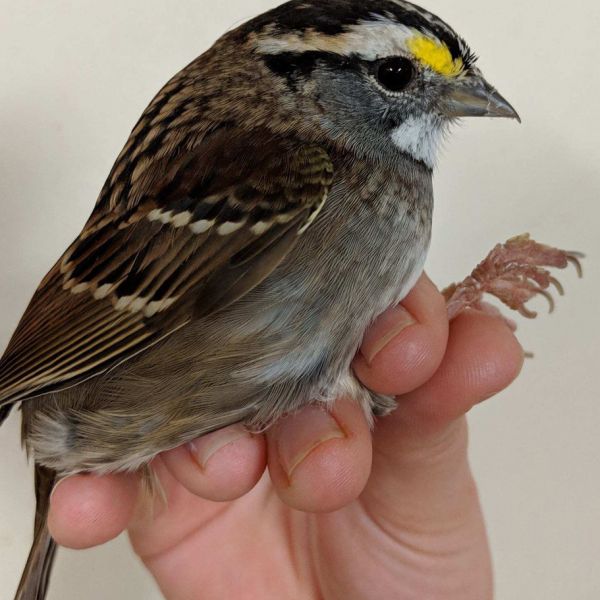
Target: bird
<point>273,199</point>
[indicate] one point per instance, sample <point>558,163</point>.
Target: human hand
<point>343,512</point>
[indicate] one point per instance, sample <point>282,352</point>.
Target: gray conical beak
<point>473,96</point>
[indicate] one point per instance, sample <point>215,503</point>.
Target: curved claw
<point>558,285</point>
<point>548,297</point>
<point>573,258</point>
<point>514,272</point>
<point>528,314</point>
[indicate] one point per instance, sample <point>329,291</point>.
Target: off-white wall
<point>74,77</point>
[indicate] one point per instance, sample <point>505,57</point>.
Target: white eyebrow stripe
<point>368,39</point>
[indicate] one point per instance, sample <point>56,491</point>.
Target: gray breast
<point>362,255</point>
<point>288,342</point>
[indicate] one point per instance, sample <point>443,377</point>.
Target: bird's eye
<point>395,73</point>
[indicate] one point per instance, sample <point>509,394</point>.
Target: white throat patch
<point>420,137</point>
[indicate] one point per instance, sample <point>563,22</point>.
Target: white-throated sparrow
<point>274,198</point>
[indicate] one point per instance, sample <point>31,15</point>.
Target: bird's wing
<point>210,226</point>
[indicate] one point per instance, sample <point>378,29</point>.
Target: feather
<point>180,243</point>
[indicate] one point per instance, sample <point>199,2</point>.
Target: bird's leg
<point>514,273</point>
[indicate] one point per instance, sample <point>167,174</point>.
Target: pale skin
<point>320,507</point>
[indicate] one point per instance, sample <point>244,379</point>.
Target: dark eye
<point>395,73</point>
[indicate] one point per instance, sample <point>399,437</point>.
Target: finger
<point>86,510</point>
<point>483,357</point>
<point>163,521</point>
<point>420,469</point>
<point>320,461</point>
<point>220,466</point>
<point>406,344</point>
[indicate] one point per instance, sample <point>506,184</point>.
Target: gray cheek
<point>352,108</point>
<point>376,126</point>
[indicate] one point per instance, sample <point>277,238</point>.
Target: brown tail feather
<point>36,575</point>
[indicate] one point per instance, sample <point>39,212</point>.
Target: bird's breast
<point>363,254</point>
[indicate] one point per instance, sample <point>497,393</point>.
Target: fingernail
<point>385,329</point>
<point>301,433</point>
<point>204,448</point>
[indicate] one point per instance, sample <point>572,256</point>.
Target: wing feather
<point>213,223</point>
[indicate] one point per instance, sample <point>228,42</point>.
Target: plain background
<point>76,74</point>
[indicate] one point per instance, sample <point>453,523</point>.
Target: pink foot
<point>514,273</point>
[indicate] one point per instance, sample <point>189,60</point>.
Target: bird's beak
<point>473,96</point>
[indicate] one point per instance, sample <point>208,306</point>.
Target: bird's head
<point>383,77</point>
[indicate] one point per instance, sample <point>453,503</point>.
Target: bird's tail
<point>36,575</point>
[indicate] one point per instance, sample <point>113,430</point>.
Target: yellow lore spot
<point>435,55</point>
